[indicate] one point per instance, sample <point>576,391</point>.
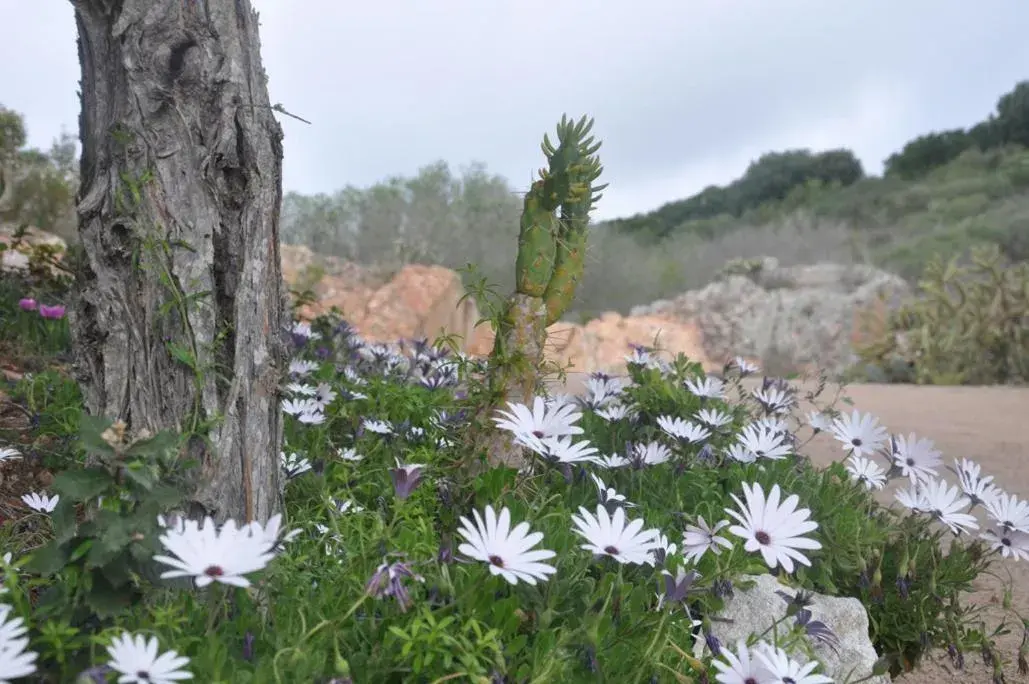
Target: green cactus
<point>548,268</point>
<point>537,245</point>
<point>967,326</point>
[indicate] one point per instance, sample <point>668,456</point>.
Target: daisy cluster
<point>350,443</point>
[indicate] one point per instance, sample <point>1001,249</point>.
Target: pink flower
<point>56,311</point>
<point>27,304</point>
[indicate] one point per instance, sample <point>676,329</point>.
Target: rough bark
<point>179,218</point>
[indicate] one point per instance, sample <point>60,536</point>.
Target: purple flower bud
<point>406,478</point>
<point>248,647</point>
<point>53,312</point>
<point>27,304</point>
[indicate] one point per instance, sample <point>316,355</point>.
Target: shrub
<point>966,326</point>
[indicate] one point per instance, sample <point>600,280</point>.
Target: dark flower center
<point>789,680</point>
<point>214,571</point>
<point>910,461</point>
<point>856,441</point>
<point>1005,541</point>
<point>760,452</point>
<point>750,680</point>
<point>762,538</point>
<point>611,550</point>
<point>497,561</point>
<point>143,674</point>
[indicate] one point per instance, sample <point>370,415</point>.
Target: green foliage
<point>769,179</point>
<point>37,189</point>
<point>927,152</point>
<point>315,612</point>
<point>105,525</point>
<point>968,325</point>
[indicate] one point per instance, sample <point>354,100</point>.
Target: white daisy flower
<point>299,406</point>
<point>351,375</point>
<point>866,471</point>
<point>781,668</point>
<point>564,450</point>
<point>773,424</point>
<point>916,457</point>
<point>9,454</point>
<point>614,412</point>
<point>379,427</point>
<point>739,667</point>
<point>349,455</point>
<point>683,429</point>
<point>529,426</point>
<point>639,357</point>
<point>773,528</point>
<point>859,434</point>
<point>1009,543</point>
<point>609,495</point>
<point>602,390</point>
<point>302,368</point>
<point>746,367</point>
<point>346,506</point>
<point>764,443</point>
<point>271,532</point>
<point>708,387</point>
<point>294,464</point>
<point>774,400</point>
<point>507,551</point>
<point>664,549</point>
<point>323,395</point>
<point>976,486</point>
<point>819,421</point>
<point>650,453</point>
<point>212,555</point>
<point>946,503</point>
<point>613,461</point>
<point>738,452</point>
<point>15,660</point>
<point>300,389</point>
<point>1008,511</point>
<point>39,501</point>
<point>303,329</point>
<point>700,538</point>
<point>311,418</point>
<point>714,418</point>
<point>137,661</point>
<point>912,498</point>
<point>609,535</point>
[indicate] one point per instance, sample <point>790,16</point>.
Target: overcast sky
<point>685,93</point>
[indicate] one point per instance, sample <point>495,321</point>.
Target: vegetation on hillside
<point>943,194</point>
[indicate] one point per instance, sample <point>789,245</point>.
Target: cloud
<point>684,94</point>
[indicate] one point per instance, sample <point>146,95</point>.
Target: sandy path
<point>987,424</point>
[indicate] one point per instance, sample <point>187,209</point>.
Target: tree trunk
<point>179,319</point>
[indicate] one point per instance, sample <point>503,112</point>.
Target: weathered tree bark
<point>180,315</point>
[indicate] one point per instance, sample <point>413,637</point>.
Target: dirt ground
<point>987,424</point>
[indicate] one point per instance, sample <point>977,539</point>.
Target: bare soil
<point>987,424</point>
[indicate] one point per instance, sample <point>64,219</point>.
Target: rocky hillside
<point>788,319</point>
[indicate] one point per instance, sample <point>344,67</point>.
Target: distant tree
<point>927,152</point>
<point>1012,121</point>
<point>39,186</point>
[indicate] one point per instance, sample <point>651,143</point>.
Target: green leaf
<point>159,444</point>
<point>82,485</point>
<point>106,600</point>
<point>48,560</point>
<point>90,430</point>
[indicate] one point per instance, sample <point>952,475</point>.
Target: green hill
<point>943,193</point>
